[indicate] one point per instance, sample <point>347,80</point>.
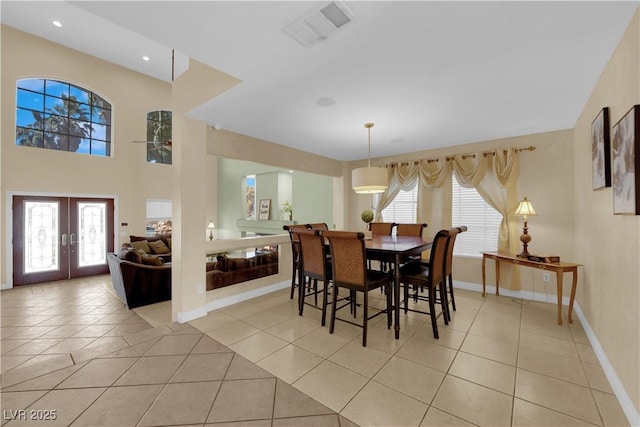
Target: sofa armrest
<point>145,284</point>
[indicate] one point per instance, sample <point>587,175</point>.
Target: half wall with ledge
<point>258,253</point>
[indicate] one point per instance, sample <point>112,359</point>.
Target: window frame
<point>69,118</point>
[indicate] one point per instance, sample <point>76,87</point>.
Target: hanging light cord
<point>369,126</point>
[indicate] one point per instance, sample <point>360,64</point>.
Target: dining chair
<point>349,265</point>
<point>410,229</point>
<point>381,228</point>
<point>430,277</point>
<point>318,226</point>
<point>413,230</point>
<point>295,254</point>
<point>314,265</point>
<point>448,268</point>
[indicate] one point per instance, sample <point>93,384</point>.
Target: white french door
<point>58,238</point>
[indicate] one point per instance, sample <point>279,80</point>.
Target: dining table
<point>395,250</point>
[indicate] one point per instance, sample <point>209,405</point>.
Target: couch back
<point>139,284</point>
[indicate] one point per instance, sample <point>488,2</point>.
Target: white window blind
<point>482,221</point>
<point>403,209</point>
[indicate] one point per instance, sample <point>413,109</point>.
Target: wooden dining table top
<point>396,244</point>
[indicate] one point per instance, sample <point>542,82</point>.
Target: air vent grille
<point>319,24</point>
<point>335,15</point>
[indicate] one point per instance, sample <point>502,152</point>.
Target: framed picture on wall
<point>265,208</point>
<point>601,150</point>
<point>625,145</point>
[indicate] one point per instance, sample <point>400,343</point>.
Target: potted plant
<point>288,209</point>
<point>367,217</point>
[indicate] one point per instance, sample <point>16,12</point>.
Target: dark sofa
<point>148,244</point>
<point>137,283</point>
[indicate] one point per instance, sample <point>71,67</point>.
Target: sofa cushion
<point>158,247</point>
<point>152,260</point>
<point>142,245</point>
<point>130,254</point>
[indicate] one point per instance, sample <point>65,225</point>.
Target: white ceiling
<point>428,74</point>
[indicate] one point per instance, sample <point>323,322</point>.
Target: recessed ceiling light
<point>57,24</point>
<point>325,101</point>
<point>145,58</point>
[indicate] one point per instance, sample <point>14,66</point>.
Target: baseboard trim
<point>187,316</point>
<point>625,401</point>
<point>621,394</point>
<point>254,293</point>
<point>528,295</point>
<point>5,286</point>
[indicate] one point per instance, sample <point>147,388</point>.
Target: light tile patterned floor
<point>499,362</point>
<point>73,353</point>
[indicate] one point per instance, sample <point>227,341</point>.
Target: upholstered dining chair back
<point>448,265</point>
<point>349,258</point>
<point>381,228</point>
<point>410,229</point>
<point>453,233</point>
<point>318,226</point>
<point>438,257</point>
<point>313,253</point>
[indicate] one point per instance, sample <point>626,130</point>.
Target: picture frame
<point>625,146</point>
<point>601,150</point>
<point>265,209</point>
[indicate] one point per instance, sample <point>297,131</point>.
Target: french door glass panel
<point>92,234</point>
<point>41,233</point>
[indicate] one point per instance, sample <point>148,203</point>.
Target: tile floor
<point>499,362</point>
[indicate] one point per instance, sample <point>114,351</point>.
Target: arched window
<point>62,116</point>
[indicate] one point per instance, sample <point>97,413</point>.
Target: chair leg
<point>315,292</point>
<point>453,299</point>
<point>365,315</point>
<point>432,311</point>
<point>334,300</point>
<point>302,288</point>
<point>389,303</point>
<point>444,301</point>
<point>294,273</point>
<point>324,301</point>
<point>406,298</point>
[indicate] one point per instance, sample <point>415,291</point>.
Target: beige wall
<point>126,174</point>
<point>608,244</point>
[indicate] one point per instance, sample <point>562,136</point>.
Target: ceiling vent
<point>319,24</point>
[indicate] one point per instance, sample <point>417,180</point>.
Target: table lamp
<point>211,227</point>
<point>525,208</point>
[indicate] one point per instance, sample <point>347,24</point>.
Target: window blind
<point>403,209</point>
<point>483,222</point>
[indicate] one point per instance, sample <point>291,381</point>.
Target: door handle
<point>63,239</point>
<point>72,239</point>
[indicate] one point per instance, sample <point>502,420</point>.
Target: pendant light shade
<point>369,180</point>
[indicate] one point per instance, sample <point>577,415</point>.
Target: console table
<point>558,267</point>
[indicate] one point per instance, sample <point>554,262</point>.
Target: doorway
<point>59,238</point>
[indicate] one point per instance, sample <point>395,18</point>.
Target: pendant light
<point>369,180</point>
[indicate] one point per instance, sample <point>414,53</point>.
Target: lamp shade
<point>525,208</point>
<point>369,180</point>
<point>211,225</point>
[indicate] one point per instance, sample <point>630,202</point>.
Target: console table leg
<point>484,274</point>
<point>497,277</point>
<point>559,281</point>
<point>573,295</point>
